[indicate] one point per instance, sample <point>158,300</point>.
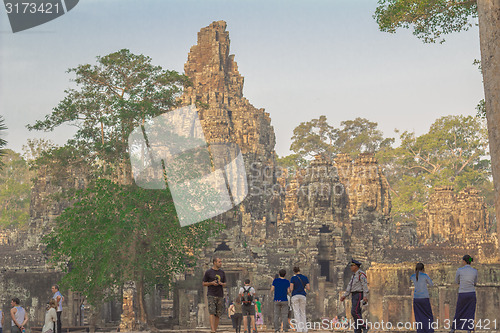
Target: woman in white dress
<point>50,317</point>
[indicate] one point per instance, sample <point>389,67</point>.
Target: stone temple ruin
<point>318,218</point>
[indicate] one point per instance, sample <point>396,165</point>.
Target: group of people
<point>466,278</point>
<point>53,314</point>
<point>215,281</point>
<point>292,293</point>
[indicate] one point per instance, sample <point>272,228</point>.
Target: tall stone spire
<point>218,93</point>
<point>227,116</point>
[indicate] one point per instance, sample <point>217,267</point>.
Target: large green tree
<point>119,233</point>
<point>353,137</point>
<point>115,231</point>
<point>313,137</point>
<point>360,136</point>
<point>433,19</point>
<point>454,152</point>
<point>119,93</point>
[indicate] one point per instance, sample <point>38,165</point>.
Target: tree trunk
<point>489,34</point>
<point>143,316</point>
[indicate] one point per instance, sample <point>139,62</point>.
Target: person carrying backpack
<point>248,306</point>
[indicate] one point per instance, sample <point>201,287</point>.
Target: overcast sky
<point>300,60</point>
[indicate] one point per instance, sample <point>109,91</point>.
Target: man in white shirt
<point>59,299</point>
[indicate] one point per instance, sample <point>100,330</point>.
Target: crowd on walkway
<point>290,299</point>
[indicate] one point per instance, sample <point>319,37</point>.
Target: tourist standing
<point>50,317</point>
<point>280,287</point>
<point>230,313</point>
<point>59,299</point>
<point>247,293</point>
<point>298,285</point>
<point>238,315</point>
<point>465,312</point>
<point>215,280</point>
<point>259,319</point>
<point>358,288</point>
<point>18,315</point>
<point>421,303</point>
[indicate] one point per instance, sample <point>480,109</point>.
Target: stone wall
<point>452,220</point>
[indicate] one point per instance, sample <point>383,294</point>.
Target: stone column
<point>321,296</point>
<point>128,322</point>
<point>442,298</point>
<point>207,315</point>
<point>181,308</point>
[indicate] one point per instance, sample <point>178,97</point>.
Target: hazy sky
<point>300,59</point>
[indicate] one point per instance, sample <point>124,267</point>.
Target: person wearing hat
<point>465,312</point>
<point>358,288</point>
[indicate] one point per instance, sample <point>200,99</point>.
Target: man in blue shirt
<point>298,285</point>
<point>280,287</point>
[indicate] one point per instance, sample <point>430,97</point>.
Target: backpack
<point>247,297</point>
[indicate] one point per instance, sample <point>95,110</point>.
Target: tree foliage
<point>113,97</point>
<point>430,19</point>
<point>360,136</point>
<point>353,137</point>
<point>115,233</point>
<point>35,148</point>
<point>292,162</point>
<point>313,137</point>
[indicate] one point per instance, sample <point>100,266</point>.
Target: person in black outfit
<point>215,280</point>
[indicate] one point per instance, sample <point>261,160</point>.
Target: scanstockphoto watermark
<point>258,187</point>
<point>333,325</point>
<point>324,180</point>
<point>336,189</point>
<point>205,179</point>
